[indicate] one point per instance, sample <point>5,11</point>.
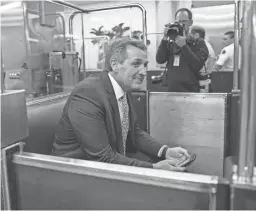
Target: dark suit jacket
<point>90,127</point>
<point>193,55</point>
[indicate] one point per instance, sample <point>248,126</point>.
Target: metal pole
<point>144,24</point>
<point>64,27</point>
<point>252,94</point>
<point>28,47</point>
<point>2,73</point>
<point>245,95</point>
<point>83,46</point>
<point>71,33</point>
<point>236,47</point>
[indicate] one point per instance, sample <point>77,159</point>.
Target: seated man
<point>99,121</point>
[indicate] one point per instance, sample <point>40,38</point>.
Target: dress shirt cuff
<point>162,151</point>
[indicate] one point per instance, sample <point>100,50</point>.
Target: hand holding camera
<point>180,41</point>
<point>166,29</point>
<point>172,30</point>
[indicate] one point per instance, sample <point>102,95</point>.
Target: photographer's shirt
<point>192,57</point>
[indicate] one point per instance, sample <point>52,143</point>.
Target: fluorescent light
<point>9,6</point>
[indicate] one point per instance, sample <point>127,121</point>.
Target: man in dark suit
<point>99,121</point>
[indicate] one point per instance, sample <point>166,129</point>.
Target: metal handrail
<point>144,24</point>
<point>248,99</point>
<point>252,93</point>
<point>2,73</point>
<point>236,46</point>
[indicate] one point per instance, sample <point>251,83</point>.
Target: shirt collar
<point>119,92</point>
<point>230,45</point>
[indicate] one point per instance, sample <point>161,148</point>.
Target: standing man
<point>99,120</point>
<point>226,58</point>
<point>185,56</point>
<point>199,32</point>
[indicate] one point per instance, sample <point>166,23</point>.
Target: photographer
<point>185,56</point>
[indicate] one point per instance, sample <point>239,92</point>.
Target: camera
<point>175,29</point>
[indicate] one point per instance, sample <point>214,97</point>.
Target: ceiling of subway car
<point>196,4</point>
<point>82,3</point>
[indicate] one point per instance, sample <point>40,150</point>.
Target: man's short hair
<point>190,16</point>
<point>117,50</point>
<point>231,34</point>
<point>198,29</point>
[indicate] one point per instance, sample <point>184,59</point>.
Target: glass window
<point>100,27</point>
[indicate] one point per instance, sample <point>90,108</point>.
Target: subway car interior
<point>47,47</point>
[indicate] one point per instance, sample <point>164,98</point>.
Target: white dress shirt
<point>119,92</point>
<point>209,64</point>
<point>226,58</point>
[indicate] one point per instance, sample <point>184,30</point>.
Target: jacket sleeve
<point>196,60</point>
<point>145,143</point>
<point>87,116</point>
<point>162,53</point>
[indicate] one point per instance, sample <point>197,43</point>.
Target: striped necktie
<point>125,121</point>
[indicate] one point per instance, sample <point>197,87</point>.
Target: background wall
<point>216,20</point>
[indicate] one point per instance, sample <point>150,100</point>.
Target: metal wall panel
<point>66,183</point>
<point>222,82</point>
<point>44,115</point>
<point>60,191</point>
<point>140,99</point>
<point>243,197</point>
<point>14,118</point>
<point>194,121</point>
<point>8,176</point>
<point>233,145</point>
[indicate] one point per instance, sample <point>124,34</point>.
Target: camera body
<point>174,29</point>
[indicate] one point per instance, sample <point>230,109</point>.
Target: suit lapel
<point>115,110</point>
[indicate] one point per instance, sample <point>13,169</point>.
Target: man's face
<point>182,18</point>
<point>194,35</point>
<point>132,72</point>
<point>226,40</point>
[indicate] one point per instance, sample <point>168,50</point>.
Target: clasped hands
<point>172,156</point>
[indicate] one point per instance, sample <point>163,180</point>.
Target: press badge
<point>176,61</point>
